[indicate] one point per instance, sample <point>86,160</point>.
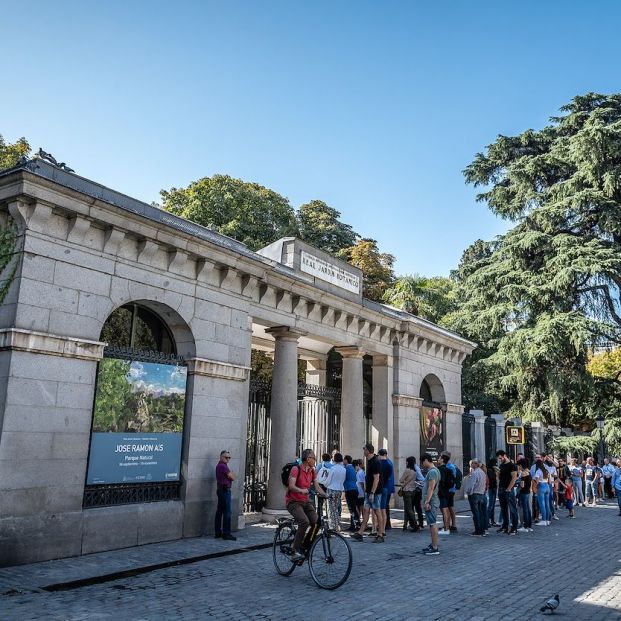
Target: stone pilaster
<point>501,443</point>
<point>352,417</point>
<point>479,434</point>
<point>283,415</point>
<point>316,371</point>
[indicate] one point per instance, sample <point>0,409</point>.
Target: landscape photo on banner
<point>137,422</point>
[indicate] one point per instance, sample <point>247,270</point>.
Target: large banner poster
<point>137,423</point>
<point>432,430</point>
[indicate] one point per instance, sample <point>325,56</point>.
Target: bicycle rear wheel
<point>330,560</point>
<point>282,549</point>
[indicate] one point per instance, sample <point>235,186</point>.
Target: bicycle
<point>328,553</point>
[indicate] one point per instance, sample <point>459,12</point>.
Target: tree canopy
<point>431,298</point>
<point>375,265</point>
<point>10,154</point>
<point>248,212</point>
<point>542,296</point>
<point>319,225</point>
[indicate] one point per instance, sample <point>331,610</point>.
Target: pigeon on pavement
<point>551,604</point>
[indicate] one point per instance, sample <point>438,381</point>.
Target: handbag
<point>400,492</point>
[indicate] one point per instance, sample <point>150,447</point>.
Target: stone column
<point>501,443</point>
<point>479,435</point>
<point>352,417</point>
<point>538,437</point>
<point>382,402</point>
<point>283,415</point>
<point>316,371</point>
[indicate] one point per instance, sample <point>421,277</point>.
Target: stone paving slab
<point>35,576</point>
<point>498,577</point>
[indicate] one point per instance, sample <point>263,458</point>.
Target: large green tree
<point>320,226</point>
<point>245,211</point>
<point>549,289</point>
<point>10,154</point>
<point>375,265</point>
<point>431,298</point>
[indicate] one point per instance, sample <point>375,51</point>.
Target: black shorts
<point>448,501</point>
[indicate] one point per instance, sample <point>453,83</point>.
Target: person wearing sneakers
<point>569,497</point>
<point>524,496</point>
<point>576,479</point>
<point>372,495</point>
<point>431,502</point>
<point>541,477</point>
<point>506,494</point>
<point>476,497</point>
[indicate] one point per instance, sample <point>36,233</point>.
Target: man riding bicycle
<point>296,499</point>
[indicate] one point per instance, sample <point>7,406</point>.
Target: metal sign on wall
<point>514,434</point>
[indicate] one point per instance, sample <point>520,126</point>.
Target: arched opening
<point>139,407</point>
<point>136,327</point>
<point>432,416</point>
<point>432,390</point>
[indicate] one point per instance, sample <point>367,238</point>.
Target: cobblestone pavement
<point>499,577</point>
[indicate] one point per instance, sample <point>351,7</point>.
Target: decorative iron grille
<point>257,446</point>
<point>123,493</point>
<point>490,439</point>
<point>467,436</point>
<point>367,411</point>
<point>319,418</point>
<point>138,355</point>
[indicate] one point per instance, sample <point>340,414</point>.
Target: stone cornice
<point>265,284</point>
<point>214,368</point>
<point>15,339</point>
<point>454,408</point>
<point>350,351</point>
<point>407,401</point>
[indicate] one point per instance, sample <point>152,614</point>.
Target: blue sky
<point>157,378</point>
<point>374,107</point>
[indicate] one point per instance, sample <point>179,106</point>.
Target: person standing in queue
<point>372,496</point>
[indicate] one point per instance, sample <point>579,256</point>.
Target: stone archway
<point>432,389</point>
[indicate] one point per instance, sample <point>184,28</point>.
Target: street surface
<point>498,577</point>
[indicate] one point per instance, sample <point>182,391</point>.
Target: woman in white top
<point>334,486</point>
<point>541,476</point>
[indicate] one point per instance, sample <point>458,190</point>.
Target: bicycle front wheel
<point>282,549</point>
<point>330,560</point>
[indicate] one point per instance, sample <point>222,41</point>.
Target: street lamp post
<point>600,425</point>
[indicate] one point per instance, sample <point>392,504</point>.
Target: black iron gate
<point>318,427</point>
<point>490,439</point>
<point>367,410</point>
<point>257,446</point>
<point>467,437</point>
<point>529,448</point>
<point>319,419</point>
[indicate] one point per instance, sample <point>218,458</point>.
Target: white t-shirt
<point>360,482</point>
<point>540,477</point>
<point>336,478</point>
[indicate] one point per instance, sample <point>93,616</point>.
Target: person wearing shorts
<point>372,495</point>
<point>431,504</point>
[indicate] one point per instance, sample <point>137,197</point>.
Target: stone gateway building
<point>125,347</point>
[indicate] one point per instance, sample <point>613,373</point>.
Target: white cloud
<point>136,371</point>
